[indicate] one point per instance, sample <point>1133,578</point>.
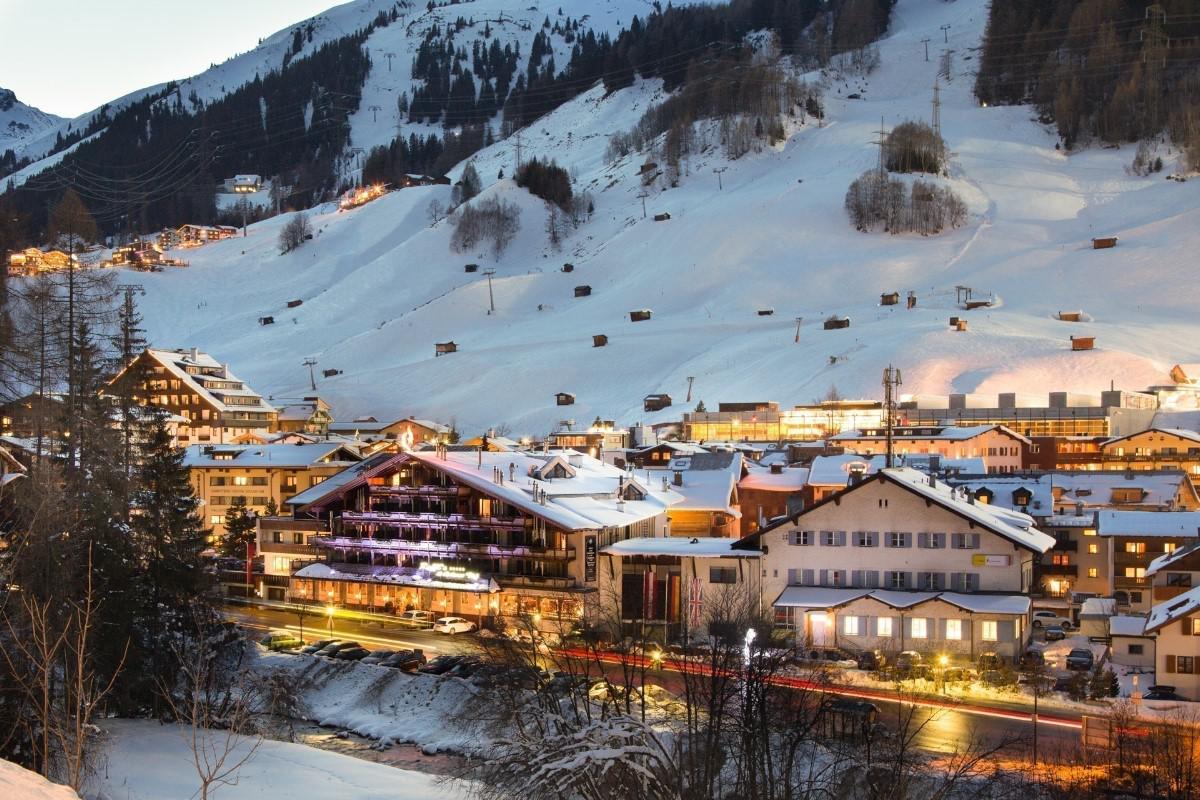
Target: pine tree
<point>272,508</point>
<point>239,529</point>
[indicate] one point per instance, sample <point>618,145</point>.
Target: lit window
<point>988,630</point>
<point>919,629</point>
<point>1169,547</point>
<point>1093,548</point>
<point>1195,626</point>
<point>954,629</point>
<point>1135,547</point>
<point>1093,572</point>
<point>216,519</point>
<point>240,480</point>
<point>850,626</point>
<point>1135,572</point>
<point>883,626</point>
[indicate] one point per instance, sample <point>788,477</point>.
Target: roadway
<point>941,725</point>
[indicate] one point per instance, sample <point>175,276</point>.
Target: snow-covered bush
<point>914,147</point>
<point>294,233</point>
<point>877,200</point>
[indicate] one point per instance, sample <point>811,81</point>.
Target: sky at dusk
<point>67,57</point>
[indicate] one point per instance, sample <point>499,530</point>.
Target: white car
<point>453,625</point>
<point>1050,619</point>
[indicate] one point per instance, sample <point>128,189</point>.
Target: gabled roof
<point>1012,525</point>
<point>682,546</point>
<point>1148,523</point>
<point>1166,560</point>
<point>1040,488</point>
<point>1181,433</point>
<point>835,470</point>
<point>1177,607</point>
<point>1095,487</point>
<point>278,456</point>
<point>791,479</point>
<point>342,481</point>
<point>709,481</point>
<point>954,433</point>
<point>177,362</point>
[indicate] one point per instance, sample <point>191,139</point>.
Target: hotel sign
<point>589,558</point>
<point>990,561</point>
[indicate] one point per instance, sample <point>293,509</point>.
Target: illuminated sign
<point>449,572</point>
<point>589,558</point>
<point>990,561</point>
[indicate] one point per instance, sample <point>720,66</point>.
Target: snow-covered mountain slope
<point>20,122</point>
<point>380,285</point>
<point>378,119</point>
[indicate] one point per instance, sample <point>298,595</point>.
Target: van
<point>280,640</point>
<point>416,619</point>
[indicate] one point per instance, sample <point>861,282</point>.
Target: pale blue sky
<point>67,57</point>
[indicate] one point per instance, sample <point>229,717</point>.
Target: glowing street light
<point>329,613</point>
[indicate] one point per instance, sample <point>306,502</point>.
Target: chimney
<point>195,354</point>
<point>678,477</point>
<point>225,371</point>
<point>932,481</point>
<point>777,469</point>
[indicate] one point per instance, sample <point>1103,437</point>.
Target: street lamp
<point>943,662</point>
<point>329,613</point>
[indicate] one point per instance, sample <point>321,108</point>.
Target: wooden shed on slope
<point>564,399</point>
<point>656,402</point>
<point>1083,342</point>
<point>889,299</point>
<point>640,315</point>
<point>1104,242</point>
<point>583,291</point>
<point>442,348</point>
<point>835,322</point>
<point>599,340</point>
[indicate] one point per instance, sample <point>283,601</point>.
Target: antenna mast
<point>891,380</point>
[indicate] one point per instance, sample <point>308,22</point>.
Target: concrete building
<point>1112,413</point>
<point>1002,450</point>
<point>912,562</point>
<point>1135,539</point>
<point>765,422</point>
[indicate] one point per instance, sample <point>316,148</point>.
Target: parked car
<point>356,653</point>
<point>422,620</point>
<point>332,650</point>
<point>440,665</point>
<point>453,625</point>
<point>990,661</point>
<point>1033,658</point>
<point>1054,633</point>
<point>407,660</point>
<point>1080,659</point>
<point>1044,619</point>
<point>318,646</point>
<point>466,668</point>
<point>1160,692</point>
<point>376,656</point>
<point>871,659</point>
<point>280,640</point>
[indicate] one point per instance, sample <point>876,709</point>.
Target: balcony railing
<point>447,549</point>
<point>534,581</point>
<point>431,490</point>
<point>289,549</point>
<point>1059,569</point>
<point>433,521</point>
<point>1066,546</point>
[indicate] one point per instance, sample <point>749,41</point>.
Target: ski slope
<point>380,285</point>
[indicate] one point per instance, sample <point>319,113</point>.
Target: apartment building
<point>1111,413</point>
<point>217,405</point>
<point>498,537</point>
<point>1134,540</point>
<point>1002,449</point>
<point>259,473</point>
<point>766,422</point>
<point>901,561</point>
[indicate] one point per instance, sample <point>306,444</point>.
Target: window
<point>954,630</point>
<point>1194,626</point>
<point>895,539</point>
<point>216,481</point>
<point>1093,572</point>
<point>1059,559</point>
<point>1169,547</point>
<point>1135,547</point>
<point>1089,531</point>
<point>1135,597</point>
<point>833,538</point>
<point>850,626</point>
<point>318,479</point>
<point>1184,665</point>
<point>864,538</point>
<point>896,580</point>
<point>931,581</point>
<point>931,541</point>
<point>802,538</point>
<point>919,628</point>
<point>281,564</point>
<point>1093,548</point>
<point>1135,572</point>
<point>988,630</point>
<point>1136,649</point>
<point>241,480</point>
<point>297,537</point>
<point>258,481</point>
<point>216,519</point>
<point>289,482</point>
<point>965,541</point>
<point>722,574</point>
<point>883,626</point>
<point>277,537</point>
<point>1179,579</point>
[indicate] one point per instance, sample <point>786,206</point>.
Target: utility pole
<point>691,379</point>
<point>881,141</point>
<point>643,195</point>
<point>491,297</point>
<point>389,57</point>
<point>937,109</point>
<point>891,379</point>
<point>719,170</point>
<point>946,34</point>
<point>245,204</point>
<point>798,321</point>
<point>312,377</point>
<point>518,167</point>
<point>925,42</point>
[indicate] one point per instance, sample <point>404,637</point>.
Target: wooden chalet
<point>583,291</point>
<point>1083,342</point>
<point>442,348</point>
<point>656,402</point>
<point>564,399</point>
<point>1104,242</point>
<point>889,299</point>
<point>836,322</point>
<point>640,315</point>
<point>599,340</point>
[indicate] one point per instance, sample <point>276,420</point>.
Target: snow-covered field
<point>148,761</point>
<point>380,285</point>
<point>21,784</point>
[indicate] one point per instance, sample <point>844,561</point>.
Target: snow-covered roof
<point>709,481</point>
<point>177,363</point>
<point>791,479</point>
<point>897,599</point>
<point>676,447</point>
<point>1167,559</point>
<point>400,576</point>
<point>988,603</point>
<point>952,433</point>
<point>1070,521</point>
<point>679,546</point>
<point>817,597</point>
<point>1148,523</point>
<point>835,470</point>
<point>1098,607</point>
<point>1095,487</point>
<point>1127,626</point>
<point>277,456</point>
<point>1012,525</point>
<point>1040,488</point>
<point>1177,607</point>
<point>337,482</point>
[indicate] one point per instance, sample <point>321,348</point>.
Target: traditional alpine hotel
<point>492,536</point>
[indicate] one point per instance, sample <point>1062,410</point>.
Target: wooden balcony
<point>290,524</point>
<point>431,490</point>
<point>280,548</point>
<point>1164,593</point>
<point>432,521</point>
<point>435,549</point>
<point>534,581</point>
<point>1058,570</point>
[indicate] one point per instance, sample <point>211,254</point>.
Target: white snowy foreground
<point>149,761</point>
<point>18,783</point>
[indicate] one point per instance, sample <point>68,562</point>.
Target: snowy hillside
<point>380,286</point>
<point>20,123</point>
